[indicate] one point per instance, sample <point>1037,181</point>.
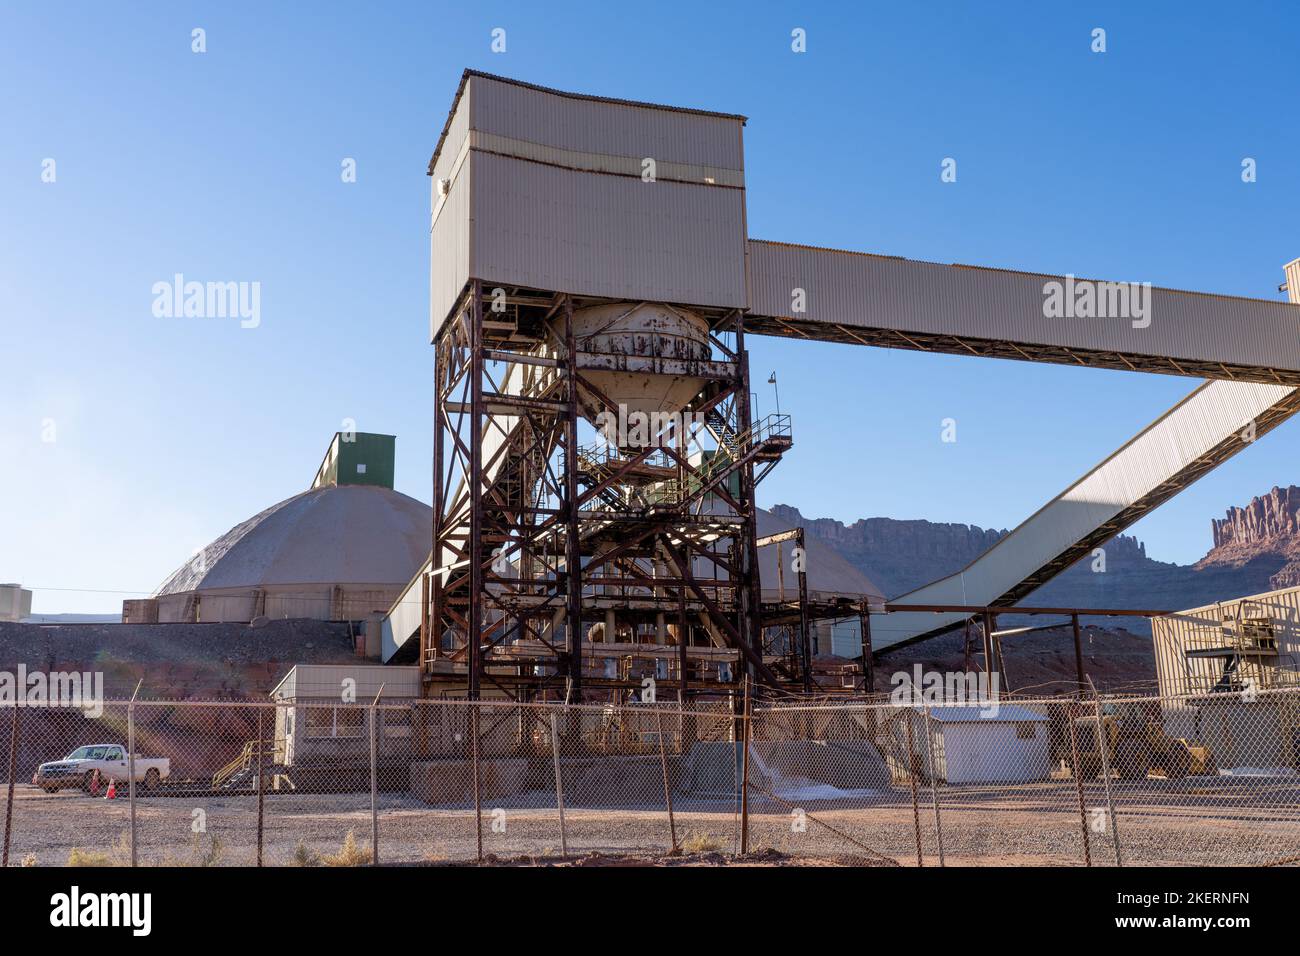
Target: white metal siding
<point>1173,634</point>
<point>1292,270</point>
<point>599,126</point>
<point>450,235</point>
<point>546,192</point>
<point>992,753</point>
<point>587,233</point>
<point>870,291</point>
<point>453,144</point>
<point>981,751</point>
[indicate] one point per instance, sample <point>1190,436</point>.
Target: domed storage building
<point>342,550</point>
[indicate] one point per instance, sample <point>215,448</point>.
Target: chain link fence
<point>1100,781</point>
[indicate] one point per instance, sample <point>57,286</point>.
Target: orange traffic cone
<point>111,794</point>
<point>94,783</point>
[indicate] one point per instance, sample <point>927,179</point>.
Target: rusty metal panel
<point>1208,422</point>
<point>546,227</point>
<point>870,291</point>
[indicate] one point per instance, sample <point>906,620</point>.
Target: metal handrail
<point>244,761</point>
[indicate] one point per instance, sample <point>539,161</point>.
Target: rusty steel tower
<point>595,456</point>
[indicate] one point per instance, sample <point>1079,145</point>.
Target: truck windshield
<point>87,753</point>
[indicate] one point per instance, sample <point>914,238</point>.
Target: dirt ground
<point>1197,821</point>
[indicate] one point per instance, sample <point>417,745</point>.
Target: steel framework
<point>587,570</point>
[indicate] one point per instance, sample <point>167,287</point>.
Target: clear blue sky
<point>226,165</point>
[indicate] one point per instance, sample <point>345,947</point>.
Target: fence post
<point>374,783</point>
<point>934,785</point>
<point>668,794</point>
<point>130,763</point>
<point>1104,747</point>
<point>911,778</point>
<point>745,734</point>
<point>478,803</point>
<point>261,784</point>
<point>559,785</point>
<point>374,777</point>
<point>1078,786</point>
<point>13,775</point>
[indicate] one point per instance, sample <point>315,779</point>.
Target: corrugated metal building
<point>322,722</point>
<point>1225,670</point>
<point>1224,647</point>
<point>541,189</point>
<point>15,602</point>
<point>998,743</point>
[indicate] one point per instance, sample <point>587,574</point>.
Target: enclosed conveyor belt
<point>853,297</point>
<point>1206,428</point>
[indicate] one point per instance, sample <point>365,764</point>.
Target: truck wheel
<point>1132,762</point>
<point>1088,767</point>
<point>48,789</point>
<point>1178,764</point>
<point>151,779</point>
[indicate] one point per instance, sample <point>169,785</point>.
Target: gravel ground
<point>1198,821</point>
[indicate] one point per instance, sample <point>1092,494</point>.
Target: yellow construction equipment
<point>1137,745</point>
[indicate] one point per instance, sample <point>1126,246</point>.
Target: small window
<point>351,721</point>
<point>361,468</point>
<point>395,722</point>
<point>1025,730</point>
<point>320,722</point>
<point>396,717</point>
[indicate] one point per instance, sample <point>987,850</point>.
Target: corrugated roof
<point>994,713</point>
<point>335,534</point>
<point>829,572</point>
<point>325,681</point>
<point>1000,269</point>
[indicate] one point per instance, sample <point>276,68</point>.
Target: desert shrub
<point>350,854</point>
<point>117,855</point>
<point>303,855</point>
<point>701,843</point>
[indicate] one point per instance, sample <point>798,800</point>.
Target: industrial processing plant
<point>593,646</point>
<point>572,558</point>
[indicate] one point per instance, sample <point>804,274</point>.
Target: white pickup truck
<point>78,768</point>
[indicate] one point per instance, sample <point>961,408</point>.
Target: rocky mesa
<point>1264,533</point>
